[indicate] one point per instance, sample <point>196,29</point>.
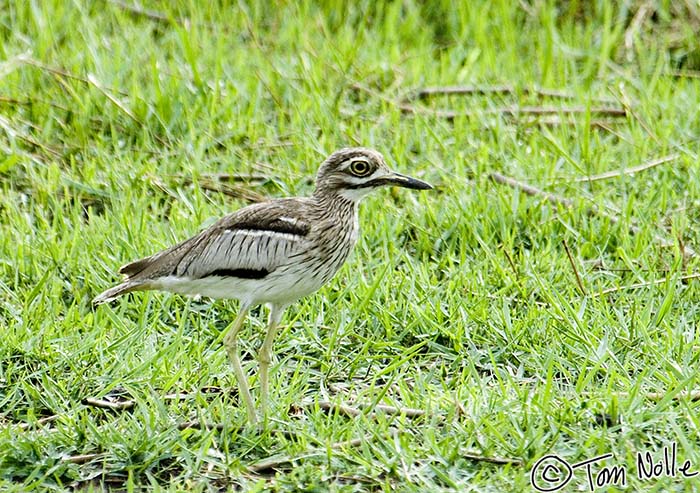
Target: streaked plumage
<point>274,252</point>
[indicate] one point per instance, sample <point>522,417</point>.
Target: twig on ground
<point>57,71</point>
<point>644,284</point>
<point>461,410</point>
<point>235,191</point>
<point>510,262</point>
<point>629,171</point>
<point>692,395</point>
<point>642,12</point>
<point>502,461</point>
<point>406,411</point>
<point>158,183</point>
<point>353,412</point>
<point>31,101</point>
<point>514,111</point>
<point>573,266</point>
<point>511,299</point>
<point>138,10</point>
<point>271,145</point>
<point>556,121</point>
<point>355,442</point>
<point>607,126</point>
<point>279,461</point>
<point>13,101</point>
<point>97,85</point>
<point>274,463</point>
<point>590,211</point>
<point>529,189</point>
<point>198,425</point>
<point>688,74</point>
<point>550,113</point>
<point>40,422</point>
<point>7,126</point>
<point>427,92</point>
<point>82,458</point>
<point>225,177</point>
<point>625,101</point>
<point>217,183</point>
<point>361,87</point>
<point>108,92</point>
<point>339,408</point>
<point>107,404</point>
<point>126,404</point>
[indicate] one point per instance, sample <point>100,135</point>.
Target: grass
<point>462,303</point>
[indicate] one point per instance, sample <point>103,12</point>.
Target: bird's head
<point>354,172</point>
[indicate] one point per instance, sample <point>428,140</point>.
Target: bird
<point>272,253</point>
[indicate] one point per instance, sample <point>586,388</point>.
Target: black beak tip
<point>410,182</point>
<point>425,186</point>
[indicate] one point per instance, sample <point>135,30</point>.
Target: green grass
<point>460,302</point>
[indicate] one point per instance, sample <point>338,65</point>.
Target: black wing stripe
<point>275,226</point>
<point>239,273</point>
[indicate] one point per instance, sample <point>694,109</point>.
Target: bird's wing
<point>250,243</point>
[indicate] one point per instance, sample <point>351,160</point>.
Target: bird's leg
<point>265,354</point>
<point>231,345</point>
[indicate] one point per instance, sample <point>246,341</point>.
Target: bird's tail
<point>116,291</point>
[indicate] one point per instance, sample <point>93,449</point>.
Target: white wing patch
<point>247,249</point>
<point>260,232</point>
<point>289,220</point>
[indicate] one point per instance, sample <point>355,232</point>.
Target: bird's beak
<point>400,180</point>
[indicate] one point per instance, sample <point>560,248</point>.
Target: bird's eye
<point>360,167</point>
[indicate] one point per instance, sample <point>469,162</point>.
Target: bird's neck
<point>336,204</point>
<point>334,200</point>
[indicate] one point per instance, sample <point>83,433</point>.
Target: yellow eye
<point>360,167</point>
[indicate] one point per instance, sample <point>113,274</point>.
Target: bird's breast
<point>316,259</point>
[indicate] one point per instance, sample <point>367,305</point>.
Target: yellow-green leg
<point>231,345</point>
<point>265,354</point>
